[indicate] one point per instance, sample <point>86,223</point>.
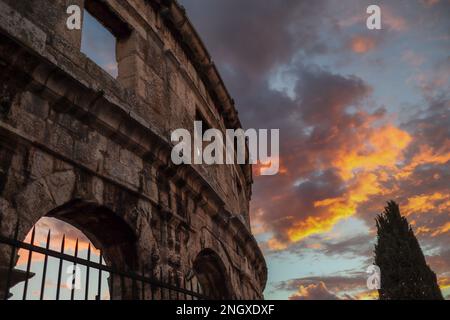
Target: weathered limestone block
<point>121,172</point>
<point>8,219</point>
<point>61,186</point>
<point>40,164</point>
<point>154,55</point>
<point>155,91</point>
<point>34,202</point>
<point>132,66</point>
<point>34,105</point>
<point>59,140</point>
<point>91,151</point>
<point>97,189</point>
<point>134,45</point>
<point>27,123</point>
<point>21,28</point>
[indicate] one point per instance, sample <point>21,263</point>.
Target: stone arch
<point>77,198</point>
<point>106,230</point>
<point>114,226</point>
<point>72,197</point>
<point>212,275</point>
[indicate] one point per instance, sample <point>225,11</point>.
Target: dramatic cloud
<point>251,37</point>
<point>363,117</point>
<point>361,44</point>
<point>334,165</point>
<point>313,292</point>
<point>328,287</point>
<point>313,70</point>
<point>58,229</point>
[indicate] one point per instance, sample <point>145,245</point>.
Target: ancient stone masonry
<point>81,146</point>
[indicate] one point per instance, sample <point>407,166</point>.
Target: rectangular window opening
<point>101,30</point>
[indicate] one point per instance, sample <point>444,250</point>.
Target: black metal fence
<point>122,284</point>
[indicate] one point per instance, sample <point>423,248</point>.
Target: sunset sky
<point>363,118</point>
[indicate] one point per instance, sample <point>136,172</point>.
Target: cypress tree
<point>405,274</point>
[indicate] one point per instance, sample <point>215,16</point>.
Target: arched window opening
<point>210,273</point>
<point>50,278</point>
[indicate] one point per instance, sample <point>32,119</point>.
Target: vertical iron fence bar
<point>44,271</point>
<point>99,288</point>
<point>30,254</point>
<point>58,288</point>
<point>171,286</point>
<point>11,262</point>
<point>74,273</point>
<point>86,294</point>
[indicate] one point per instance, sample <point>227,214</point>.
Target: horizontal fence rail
<point>142,287</point>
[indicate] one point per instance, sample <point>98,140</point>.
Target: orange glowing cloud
<point>363,168</point>
<point>367,295</point>
<point>69,248</point>
<point>366,159</point>
<point>393,21</point>
<point>436,202</point>
<point>383,148</point>
<point>426,155</point>
<point>365,185</point>
<point>442,230</point>
<point>40,240</point>
<point>267,168</point>
<point>361,44</point>
<point>313,291</point>
<point>444,283</point>
<point>275,244</point>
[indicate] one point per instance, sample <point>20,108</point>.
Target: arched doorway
<point>107,231</point>
<point>90,232</point>
<point>49,284</point>
<point>211,275</point>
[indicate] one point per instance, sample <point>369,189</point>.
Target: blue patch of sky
<point>287,265</point>
<point>99,44</point>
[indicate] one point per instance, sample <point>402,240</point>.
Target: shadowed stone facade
<point>94,151</point>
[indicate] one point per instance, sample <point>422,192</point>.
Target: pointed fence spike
<point>49,234</point>
<point>44,271</point>
<point>58,285</point>
<point>33,234</point>
<point>63,242</point>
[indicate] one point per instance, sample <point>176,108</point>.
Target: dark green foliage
<point>404,271</point>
